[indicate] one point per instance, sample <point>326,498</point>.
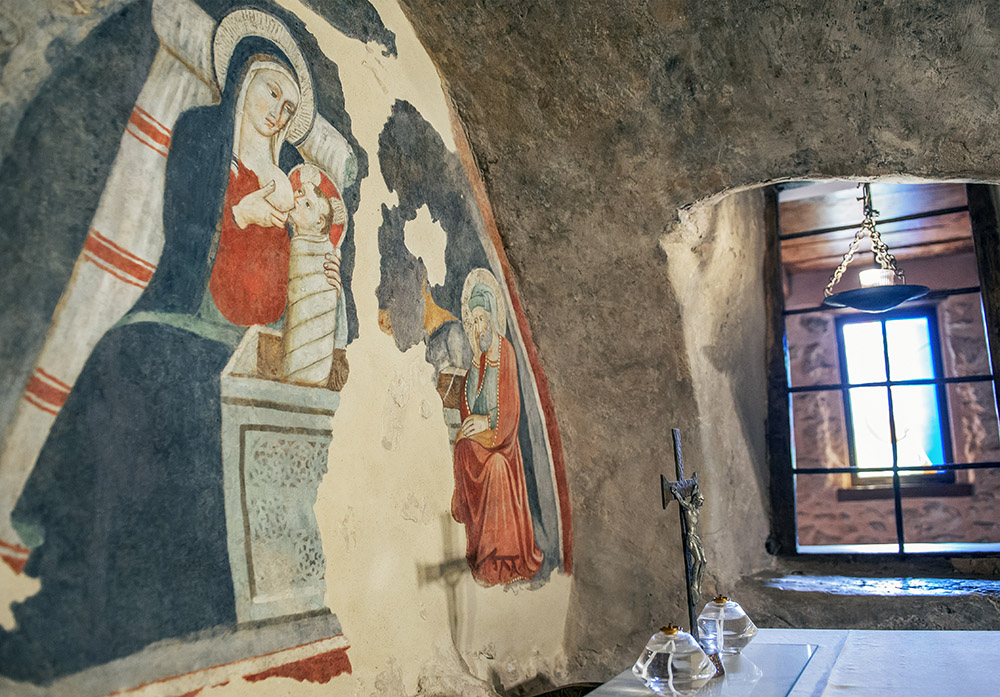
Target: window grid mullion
<point>897,494</point>
<point>845,393</point>
<point>886,221</point>
<point>940,383</point>
<point>948,466</point>
<point>892,383</point>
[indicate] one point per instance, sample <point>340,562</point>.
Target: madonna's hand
<point>255,209</point>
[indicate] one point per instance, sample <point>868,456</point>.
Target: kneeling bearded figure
<point>490,496</point>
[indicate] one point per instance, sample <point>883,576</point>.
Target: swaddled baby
<point>317,224</point>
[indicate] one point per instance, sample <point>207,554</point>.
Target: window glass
<point>823,519</point>
<point>870,428</point>
<point>909,342</point>
<point>819,431</point>
<point>974,428</point>
<point>812,350</point>
<point>864,353</point>
<point>964,350</point>
<point>955,519</point>
<point>917,418</point>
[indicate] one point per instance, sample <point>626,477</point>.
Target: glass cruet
<point>673,664</point>
<point>723,626</point>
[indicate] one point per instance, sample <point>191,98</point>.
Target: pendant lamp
<point>884,287</point>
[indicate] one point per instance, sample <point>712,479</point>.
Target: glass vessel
<point>673,664</point>
<point>723,626</point>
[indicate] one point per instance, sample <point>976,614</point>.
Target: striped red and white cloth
<point>119,254</point>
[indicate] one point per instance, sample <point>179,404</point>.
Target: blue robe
<point>126,497</point>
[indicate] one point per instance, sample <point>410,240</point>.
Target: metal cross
<point>689,498</point>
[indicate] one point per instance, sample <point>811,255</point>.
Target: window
<point>883,428</point>
<point>894,396</point>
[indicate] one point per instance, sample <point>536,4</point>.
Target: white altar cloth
<point>858,663</point>
<point>916,663</point>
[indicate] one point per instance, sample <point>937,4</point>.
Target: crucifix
<point>685,492</point>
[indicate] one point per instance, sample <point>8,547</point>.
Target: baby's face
<point>311,211</point>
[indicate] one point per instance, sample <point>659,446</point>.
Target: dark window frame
<point>984,215</point>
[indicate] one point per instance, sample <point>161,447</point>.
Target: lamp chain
<point>884,258</point>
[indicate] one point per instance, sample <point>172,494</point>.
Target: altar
<point>848,663</point>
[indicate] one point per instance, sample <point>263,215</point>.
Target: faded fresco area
<point>178,355</point>
<point>504,468</point>
<point>159,472</point>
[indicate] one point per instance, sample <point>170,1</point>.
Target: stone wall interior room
<point>400,348</point>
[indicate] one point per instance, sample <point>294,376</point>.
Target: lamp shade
<point>876,298</point>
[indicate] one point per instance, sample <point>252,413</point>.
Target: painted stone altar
<point>275,439</point>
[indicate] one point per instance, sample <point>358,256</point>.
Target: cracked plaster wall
<point>396,573</point>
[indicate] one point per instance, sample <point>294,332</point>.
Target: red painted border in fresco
<point>14,548</point>
<point>46,392</point>
<point>144,124</point>
<point>16,564</point>
<point>321,668</point>
<point>555,440</point>
<point>261,675</point>
<point>123,260</point>
<point>53,379</point>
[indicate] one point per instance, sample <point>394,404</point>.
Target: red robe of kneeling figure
<point>490,497</point>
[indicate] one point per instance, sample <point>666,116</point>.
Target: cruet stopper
<point>673,663</point>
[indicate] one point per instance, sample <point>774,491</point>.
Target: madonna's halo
<point>240,24</point>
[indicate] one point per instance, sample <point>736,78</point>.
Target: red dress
<point>250,275</point>
<point>490,497</point>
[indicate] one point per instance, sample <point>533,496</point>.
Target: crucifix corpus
<point>685,492</point>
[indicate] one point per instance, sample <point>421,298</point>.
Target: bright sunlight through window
<point>911,410</point>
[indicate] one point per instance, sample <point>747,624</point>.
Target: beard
<point>486,337</point>
<point>485,340</point>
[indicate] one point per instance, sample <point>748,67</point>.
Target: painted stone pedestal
<point>275,439</point>
<point>275,442</point>
<point>312,649</point>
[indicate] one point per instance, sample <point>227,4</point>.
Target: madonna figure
<point>124,509</point>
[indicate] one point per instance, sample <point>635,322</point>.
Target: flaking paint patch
<point>16,587</point>
<point>426,240</point>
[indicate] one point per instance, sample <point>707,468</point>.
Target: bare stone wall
<point>594,123</point>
